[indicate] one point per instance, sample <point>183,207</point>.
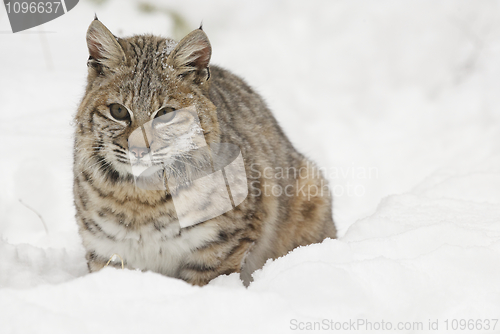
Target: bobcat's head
<point>146,103</point>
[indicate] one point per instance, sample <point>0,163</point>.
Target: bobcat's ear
<point>104,49</point>
<point>192,55</point>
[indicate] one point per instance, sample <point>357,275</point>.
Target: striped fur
<point>145,73</point>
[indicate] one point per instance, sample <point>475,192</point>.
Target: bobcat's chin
<point>138,167</point>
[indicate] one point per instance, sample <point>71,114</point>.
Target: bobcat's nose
<point>139,152</point>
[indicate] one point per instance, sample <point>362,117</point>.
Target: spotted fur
<point>144,73</point>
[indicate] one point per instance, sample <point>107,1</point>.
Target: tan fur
<point>147,73</point>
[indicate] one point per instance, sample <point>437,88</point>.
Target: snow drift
<point>409,90</point>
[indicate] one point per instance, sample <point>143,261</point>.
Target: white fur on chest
<point>148,248</point>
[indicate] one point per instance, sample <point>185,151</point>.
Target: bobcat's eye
<point>119,112</point>
<point>165,115</point>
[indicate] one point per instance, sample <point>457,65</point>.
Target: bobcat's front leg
<point>220,259</point>
<point>96,262</point>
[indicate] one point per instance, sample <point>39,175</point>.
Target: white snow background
<point>398,100</point>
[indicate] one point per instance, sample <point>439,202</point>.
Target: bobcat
<point>142,80</point>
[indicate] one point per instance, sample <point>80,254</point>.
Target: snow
<point>408,91</point>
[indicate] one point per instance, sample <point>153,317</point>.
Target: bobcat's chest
<point>150,247</point>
